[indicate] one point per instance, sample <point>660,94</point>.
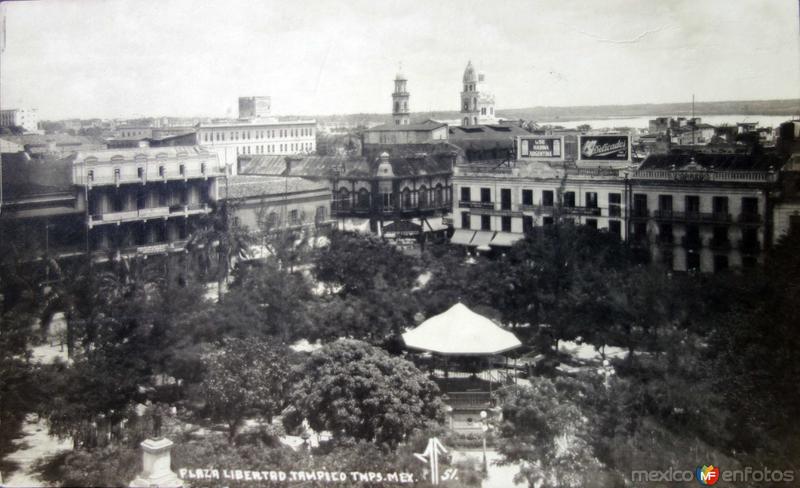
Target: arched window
<point>406,198</point>
<point>438,195</point>
<point>344,199</point>
<point>405,106</point>
<point>475,120</point>
<point>423,197</point>
<point>273,220</point>
<point>363,199</point>
<point>474,103</point>
<point>396,106</point>
<point>466,121</point>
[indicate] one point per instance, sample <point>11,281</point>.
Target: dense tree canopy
<point>358,391</point>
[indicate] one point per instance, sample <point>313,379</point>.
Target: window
<point>140,172</point>
<point>486,195</point>
<point>639,205</point>
<point>505,223</point>
<point>665,205</point>
<point>527,197</point>
<point>182,170</point>
<point>665,235</point>
<point>91,175</point>
<point>465,220</point>
<point>547,221</point>
<point>116,173</point>
<point>486,222</point>
<point>505,198</point>
<point>591,200</point>
<point>615,227</point>
<point>203,168</point>
<point>720,206</point>
<point>692,238</point>
<point>293,219</point>
<point>692,204</point>
<point>692,261</point>
<point>161,171</point>
<point>465,194</point>
<point>319,215</point>
<point>547,198</point>
<point>527,223</point>
<point>614,205</point>
<point>720,262</point>
<point>750,206</point>
<point>591,223</point>
<point>569,199</point>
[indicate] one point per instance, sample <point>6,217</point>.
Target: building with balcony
<point>705,212</point>
<point>497,204</point>
<point>274,203</point>
<point>145,200</point>
<point>379,192</point>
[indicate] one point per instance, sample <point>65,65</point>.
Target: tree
<point>358,264</point>
<point>545,429</point>
<point>218,234</point>
<point>358,391</point>
<point>244,377</point>
<point>558,272</point>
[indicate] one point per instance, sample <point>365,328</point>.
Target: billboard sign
<point>614,148</point>
<point>541,147</point>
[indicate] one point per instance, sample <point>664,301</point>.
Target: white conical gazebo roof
<point>460,332</point>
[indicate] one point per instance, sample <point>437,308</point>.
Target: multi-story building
<point>145,200</point>
<point>374,193</point>
<point>229,140</point>
<point>28,118</point>
<point>274,203</point>
<point>477,104</point>
<point>705,212</point>
<point>496,205</point>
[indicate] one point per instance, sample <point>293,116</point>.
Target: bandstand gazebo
<point>461,345</point>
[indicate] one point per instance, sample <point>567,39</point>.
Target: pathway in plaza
<point>35,442</point>
<point>498,476</point>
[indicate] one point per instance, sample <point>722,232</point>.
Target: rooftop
<point>419,126</point>
<point>245,186</point>
<point>346,166</point>
<point>718,162</point>
<point>123,154</point>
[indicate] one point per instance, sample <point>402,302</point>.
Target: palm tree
<point>219,236</point>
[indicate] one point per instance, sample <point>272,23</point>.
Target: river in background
<point>642,122</point>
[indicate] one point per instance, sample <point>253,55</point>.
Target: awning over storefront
<point>433,224</point>
<point>482,239</point>
<point>506,239</point>
<point>462,237</point>
<point>460,331</point>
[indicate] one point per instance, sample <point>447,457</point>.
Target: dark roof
<point>486,136</point>
<point>24,177</point>
<point>418,126</point>
<point>347,166</point>
<point>736,162</point>
<point>244,186</point>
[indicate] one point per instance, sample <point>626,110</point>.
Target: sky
<point>126,58</point>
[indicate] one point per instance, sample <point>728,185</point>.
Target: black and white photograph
<point>400,243</point>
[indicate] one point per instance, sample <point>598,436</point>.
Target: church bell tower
<point>400,111</point>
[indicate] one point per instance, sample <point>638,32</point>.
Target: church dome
<point>400,77</point>
<point>469,74</point>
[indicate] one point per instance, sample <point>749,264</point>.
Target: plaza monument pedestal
<point>156,466</point>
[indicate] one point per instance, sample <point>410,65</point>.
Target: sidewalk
<point>34,445</point>
<point>499,476</point>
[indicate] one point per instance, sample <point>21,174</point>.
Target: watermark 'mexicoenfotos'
<point>708,475</point>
